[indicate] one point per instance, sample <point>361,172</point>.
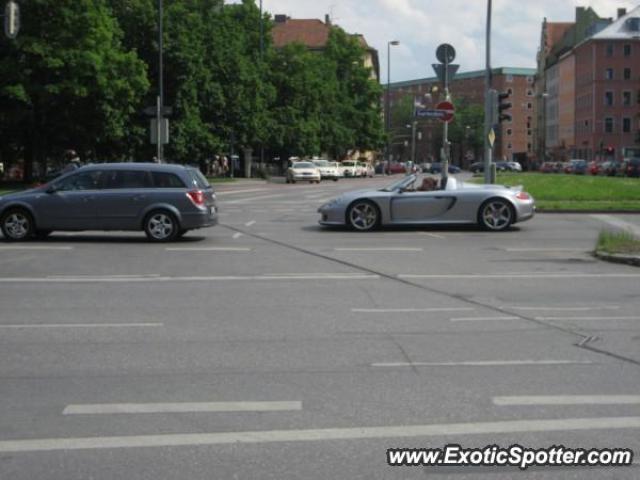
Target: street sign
<point>446,53</point>
<point>440,72</point>
<point>11,19</point>
<point>153,111</point>
<point>448,109</point>
<point>430,113</point>
<point>491,137</point>
<point>164,131</point>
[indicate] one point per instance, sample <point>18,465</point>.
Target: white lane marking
<point>563,309</point>
<point>311,435</point>
<point>379,249</point>
<point>233,192</point>
<point>183,407</point>
<point>251,199</point>
<point>618,222</point>
<point>159,279</point>
<point>485,363</point>
<point>529,276</point>
<point>483,319</point>
<point>248,224</point>
<point>568,400</point>
<point>441,237</point>
<point>585,319</point>
<point>411,310</point>
<point>545,249</point>
<point>82,325</point>
<point>207,249</point>
<point>34,247</point>
<point>237,235</point>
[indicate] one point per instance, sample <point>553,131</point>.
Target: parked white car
<point>369,171</point>
<point>328,170</point>
<point>303,172</point>
<point>349,168</point>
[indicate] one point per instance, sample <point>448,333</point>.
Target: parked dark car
<point>610,168</point>
<point>165,201</point>
<point>476,167</point>
<point>579,167</point>
<point>437,168</point>
<point>632,167</point>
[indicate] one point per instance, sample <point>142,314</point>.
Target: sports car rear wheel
<point>496,215</point>
<point>363,216</point>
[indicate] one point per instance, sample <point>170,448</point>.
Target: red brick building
<point>514,138</point>
<point>607,77</point>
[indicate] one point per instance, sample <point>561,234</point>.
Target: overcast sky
<point>421,25</point>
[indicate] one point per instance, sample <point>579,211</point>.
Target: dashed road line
<point>180,407</point>
<point>322,434</point>
<point>567,400</point>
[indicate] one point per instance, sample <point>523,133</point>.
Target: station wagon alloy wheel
<point>161,227</point>
<point>363,216</point>
<point>496,215</point>
<point>17,225</point>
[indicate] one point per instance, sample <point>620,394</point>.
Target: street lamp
<point>387,106</point>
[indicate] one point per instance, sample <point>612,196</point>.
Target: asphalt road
<point>269,347</point>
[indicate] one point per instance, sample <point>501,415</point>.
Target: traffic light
<point>11,19</point>
<point>502,106</point>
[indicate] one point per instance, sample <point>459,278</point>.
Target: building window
<point>529,93</point>
<point>610,50</point>
<point>626,98</point>
<point>509,131</point>
<point>510,91</point>
<point>529,133</point>
<point>529,106</point>
<point>510,78</point>
<point>509,146</point>
<point>627,50</point>
<point>608,98</point>
<point>529,79</point>
<point>608,125</point>
<point>608,74</point>
<point>627,74</point>
<point>529,147</point>
<point>626,125</point>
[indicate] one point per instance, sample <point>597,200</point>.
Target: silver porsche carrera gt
<point>493,207</point>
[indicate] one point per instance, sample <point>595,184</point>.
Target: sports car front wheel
<point>363,216</point>
<point>496,215</point>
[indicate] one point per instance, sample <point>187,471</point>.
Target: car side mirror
<point>51,189</point>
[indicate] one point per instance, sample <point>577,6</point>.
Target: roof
<point>555,32</point>
<point>522,72</point>
<point>620,28</point>
<point>312,33</point>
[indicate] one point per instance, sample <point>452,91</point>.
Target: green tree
<point>67,82</point>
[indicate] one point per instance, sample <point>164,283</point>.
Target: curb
<point>618,258</point>
<point>617,212</point>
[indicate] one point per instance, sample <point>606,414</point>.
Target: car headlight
<point>330,204</point>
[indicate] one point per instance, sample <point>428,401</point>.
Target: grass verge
<point>618,243</point>
<point>576,192</point>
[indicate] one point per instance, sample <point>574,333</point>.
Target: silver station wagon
<point>164,200</point>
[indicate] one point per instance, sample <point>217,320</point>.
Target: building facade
<point>608,90</point>
<point>514,138</point>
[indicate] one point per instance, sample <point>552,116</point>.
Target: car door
<point>123,198</point>
<point>417,207</point>
<point>70,203</point>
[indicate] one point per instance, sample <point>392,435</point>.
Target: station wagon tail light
<point>197,197</point>
<point>523,196</point>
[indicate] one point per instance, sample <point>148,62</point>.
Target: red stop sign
<point>448,111</point>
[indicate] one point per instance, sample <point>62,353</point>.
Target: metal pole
<point>388,108</point>
<point>487,106</point>
<point>160,83</point>
<point>261,60</point>
<point>414,124</point>
<point>445,136</point>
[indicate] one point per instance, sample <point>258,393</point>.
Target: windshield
<point>348,164</point>
<point>321,163</point>
<point>400,184</point>
<point>303,165</point>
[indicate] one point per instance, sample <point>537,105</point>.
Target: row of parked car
<point>317,170</point>
<point>611,168</point>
